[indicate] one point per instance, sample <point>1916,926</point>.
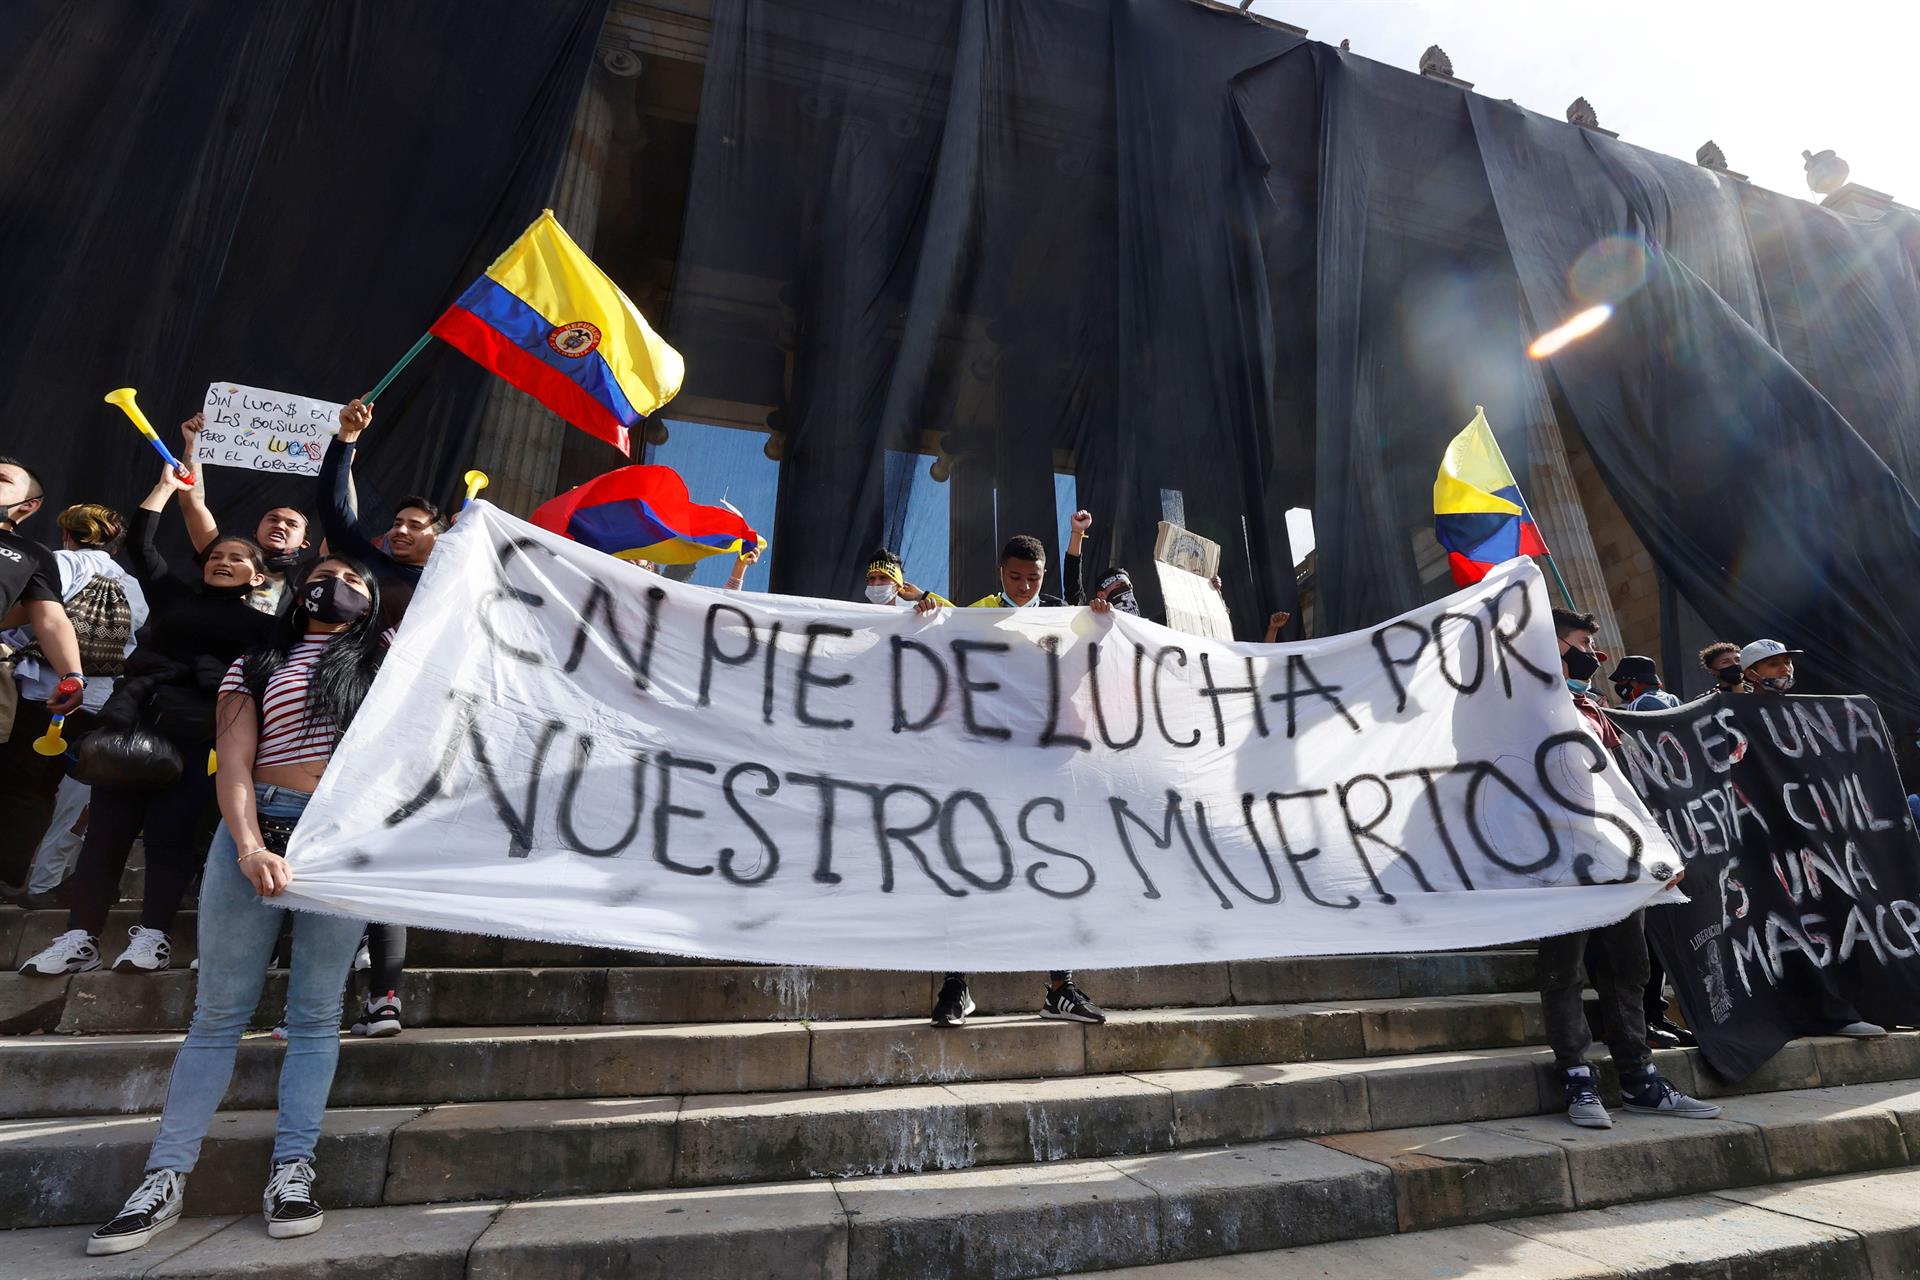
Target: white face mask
<point>881,592</point>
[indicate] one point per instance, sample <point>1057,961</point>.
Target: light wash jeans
<point>238,929</point>
<point>59,848</point>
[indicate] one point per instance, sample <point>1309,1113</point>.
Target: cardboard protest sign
<point>262,430</point>
<point>564,746</point>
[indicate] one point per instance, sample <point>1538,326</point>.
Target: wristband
<point>256,853</point>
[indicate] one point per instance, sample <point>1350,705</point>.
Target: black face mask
<point>1623,690</point>
<point>1728,676</point>
<point>1580,664</point>
<point>1124,602</point>
<point>333,600</point>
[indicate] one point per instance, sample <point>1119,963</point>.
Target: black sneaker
<point>288,1204</point>
<point>1663,1034</point>
<point>954,1004</point>
<point>152,1208</point>
<point>382,1017</point>
<point>1070,1003</point>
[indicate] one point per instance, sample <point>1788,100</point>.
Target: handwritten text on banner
<point>564,746</point>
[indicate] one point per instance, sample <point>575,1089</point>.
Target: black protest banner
<point>1802,867</point>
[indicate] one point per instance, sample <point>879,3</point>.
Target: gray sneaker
<point>1653,1094</point>
<point>1584,1107</point>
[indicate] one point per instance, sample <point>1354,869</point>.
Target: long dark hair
<point>347,665</point>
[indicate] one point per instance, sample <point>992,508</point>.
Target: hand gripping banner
<point>564,746</point>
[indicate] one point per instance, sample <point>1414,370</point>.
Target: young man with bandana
<point>1624,945</point>
<point>1023,569</point>
<point>887,583</point>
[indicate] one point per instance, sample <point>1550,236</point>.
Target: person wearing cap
<point>1768,666</point>
<point>1622,979</point>
<point>1721,660</point>
<point>1637,681</point>
<point>887,583</point>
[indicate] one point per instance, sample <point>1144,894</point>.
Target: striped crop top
<point>286,735</point>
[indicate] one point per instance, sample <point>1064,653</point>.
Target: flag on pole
<point>550,322</point>
<point>645,513</point>
<point>1478,513</point>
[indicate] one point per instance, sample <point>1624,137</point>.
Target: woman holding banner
<point>282,710</point>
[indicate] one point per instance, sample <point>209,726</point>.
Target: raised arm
<point>336,490</point>
<point>202,528</point>
<point>1075,585</point>
<point>144,556</point>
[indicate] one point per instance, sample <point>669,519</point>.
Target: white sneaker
<point>148,952</point>
<point>75,951</point>
<point>362,959</point>
<point>153,1207</point>
<point>381,1019</point>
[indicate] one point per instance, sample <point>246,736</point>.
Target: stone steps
<point>104,1002</point>
<point>66,1075</point>
<point>75,1169</point>
<point>1656,1187</point>
<point>1841,1228</point>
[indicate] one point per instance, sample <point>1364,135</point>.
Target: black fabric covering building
<point>1196,253</point>
<point>1161,244</point>
<point>278,192</point>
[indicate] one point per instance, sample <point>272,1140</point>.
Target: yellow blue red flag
<point>550,322</point>
<point>1478,513</point>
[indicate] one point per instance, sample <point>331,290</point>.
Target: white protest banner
<point>265,430</point>
<point>564,746</point>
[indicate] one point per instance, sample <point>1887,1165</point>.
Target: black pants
<point>172,820</point>
<point>1653,998</point>
<point>1622,991</point>
<point>27,783</point>
<point>387,947</point>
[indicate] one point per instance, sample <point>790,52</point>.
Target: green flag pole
<point>1564,593</point>
<point>394,372</point>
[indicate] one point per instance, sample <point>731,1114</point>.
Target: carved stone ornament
<point>1710,155</point>
<point>1435,62</point>
<point>1581,112</point>
<point>624,63</point>
<point>1826,172</point>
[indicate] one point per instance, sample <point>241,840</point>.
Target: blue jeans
<point>238,929</point>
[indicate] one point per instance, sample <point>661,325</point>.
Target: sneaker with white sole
<point>1652,1094</point>
<point>363,958</point>
<point>75,951</point>
<point>954,1003</point>
<point>1584,1107</point>
<point>288,1204</point>
<point>148,952</point>
<point>153,1207</point>
<point>1861,1030</point>
<point>1067,1002</point>
<point>381,1019</point>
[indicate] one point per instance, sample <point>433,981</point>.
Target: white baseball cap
<point>1761,650</point>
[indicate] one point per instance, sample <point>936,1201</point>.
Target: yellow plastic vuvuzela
<point>476,481</point>
<point>122,398</point>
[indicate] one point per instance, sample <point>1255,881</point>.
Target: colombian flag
<point>1478,513</point>
<point>548,320</point>
<point>645,513</point>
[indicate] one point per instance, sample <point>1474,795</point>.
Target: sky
<point>1765,80</point>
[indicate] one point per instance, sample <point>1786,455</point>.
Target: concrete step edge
<point>518,1150</point>
<point>1013,1224</point>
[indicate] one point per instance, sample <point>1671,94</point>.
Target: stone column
<point>519,441</point>
<point>1557,509</point>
